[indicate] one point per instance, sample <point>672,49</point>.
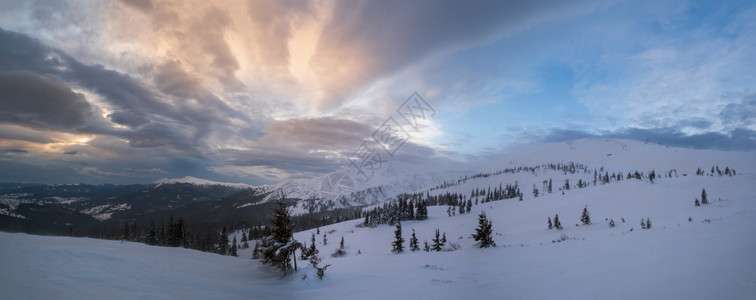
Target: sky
<point>259,92</point>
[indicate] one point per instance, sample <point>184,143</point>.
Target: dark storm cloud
<point>33,100</point>
<point>36,95</point>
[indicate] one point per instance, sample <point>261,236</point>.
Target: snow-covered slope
<point>199,181</point>
<point>704,252</point>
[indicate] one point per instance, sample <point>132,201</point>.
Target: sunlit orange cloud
<point>265,48</point>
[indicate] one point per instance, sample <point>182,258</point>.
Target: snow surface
<point>199,181</point>
<point>712,256</point>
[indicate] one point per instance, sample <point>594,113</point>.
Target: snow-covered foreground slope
<point>675,259</point>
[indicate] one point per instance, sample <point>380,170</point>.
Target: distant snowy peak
<point>199,181</point>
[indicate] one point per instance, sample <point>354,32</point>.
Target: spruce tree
<point>313,250</point>
<point>413,242</point>
<point>704,199</point>
<point>483,233</point>
<point>340,252</point>
<point>585,218</point>
<point>256,251</point>
<point>398,244</point>
<point>643,224</point>
<point>648,223</point>
<point>325,240</point>
<point>437,241</point>
<point>278,247</point>
<point>426,247</point>
<point>233,248</point>
<point>697,203</point>
<point>557,224</point>
<point>550,224</point>
<point>222,242</point>
<point>152,234</point>
<point>443,239</point>
<point>611,223</point>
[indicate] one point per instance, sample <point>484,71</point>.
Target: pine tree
<point>256,251</point>
<point>585,218</point>
<point>426,247</point>
<point>152,234</point>
<point>443,240</point>
<point>697,203</point>
<point>413,242</point>
<point>437,241</point>
<point>223,247</point>
<point>550,224</point>
<point>483,233</point>
<point>648,223</point>
<point>339,252</point>
<point>398,244</point>
<point>278,247</point>
<point>643,224</point>
<point>325,240</point>
<point>704,199</point>
<point>233,248</point>
<point>313,250</point>
<point>557,224</point>
<point>611,223</point>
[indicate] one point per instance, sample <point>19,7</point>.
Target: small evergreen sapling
<point>643,224</point>
<point>426,247</point>
<point>704,198</point>
<point>648,223</point>
<point>551,226</point>
<point>611,223</point>
<point>697,203</point>
<point>557,224</point>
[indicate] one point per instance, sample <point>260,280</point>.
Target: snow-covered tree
<point>704,198</point>
<point>648,223</point>
<point>643,224</point>
<point>279,247</point>
<point>697,202</point>
<point>611,223</point>
<point>551,225</point>
<point>557,224</point>
<point>339,252</point>
<point>483,233</point>
<point>398,244</point>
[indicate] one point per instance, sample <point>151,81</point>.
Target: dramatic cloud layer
<point>264,91</point>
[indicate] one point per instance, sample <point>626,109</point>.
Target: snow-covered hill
<point>199,181</point>
<point>690,252</point>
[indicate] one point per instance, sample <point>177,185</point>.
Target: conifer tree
<point>483,233</point>
<point>233,248</point>
<point>611,223</point>
<point>426,247</point>
<point>585,218</point>
<point>557,224</point>
<point>340,252</point>
<point>413,242</point>
<point>704,199</point>
<point>223,247</point>
<point>643,224</point>
<point>443,239</point>
<point>325,240</point>
<point>550,224</point>
<point>152,234</point>
<point>437,241</point>
<point>256,251</point>
<point>278,247</point>
<point>697,203</point>
<point>398,244</point>
<point>313,250</point>
<point>648,223</point>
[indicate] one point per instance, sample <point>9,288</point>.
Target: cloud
<point>33,100</point>
<point>737,140</point>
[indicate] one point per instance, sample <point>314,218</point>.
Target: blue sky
<point>264,91</point>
